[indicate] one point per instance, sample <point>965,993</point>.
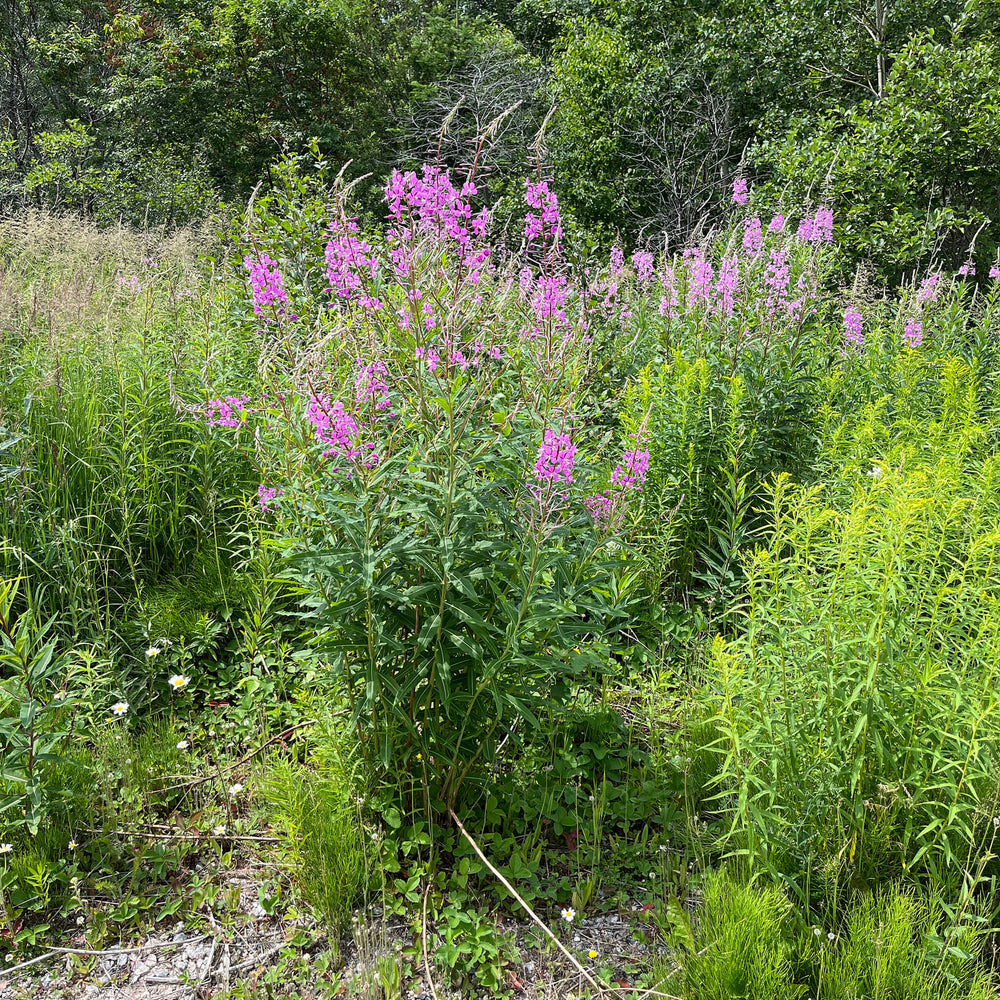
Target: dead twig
<point>232,767</point>
<point>531,913</point>
<point>157,835</point>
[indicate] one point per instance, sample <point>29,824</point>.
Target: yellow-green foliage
<point>859,707</point>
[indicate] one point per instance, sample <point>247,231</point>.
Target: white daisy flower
<point>569,914</point>
<point>152,651</point>
<point>235,789</point>
<point>183,745</point>
<point>72,845</point>
<point>178,682</point>
<point>119,708</point>
<point>219,831</point>
<point>6,848</point>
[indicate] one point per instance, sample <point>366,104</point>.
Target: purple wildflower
<point>928,291</point>
<point>777,224</point>
<point>549,300</point>
<point>633,475</point>
<point>702,273</point>
<point>968,269</point>
<point>995,273</point>
<point>265,282</point>
<point>370,385</point>
<point>347,256</point>
<point>616,262</point>
<point>335,427</point>
<point>753,238</point>
<point>555,459</point>
<point>430,356</point>
<point>725,288</point>
<point>740,195</point>
<point>547,225</point>
<point>914,333</point>
<point>776,279</point>
<point>823,225</point>
<point>853,334</point>
<point>266,496</point>
<point>602,509</point>
<point>228,412</point>
<point>643,262</point>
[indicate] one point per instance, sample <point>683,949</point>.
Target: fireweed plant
<point>423,472</point>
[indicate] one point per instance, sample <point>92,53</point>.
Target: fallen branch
<point>531,913</point>
<point>232,767</point>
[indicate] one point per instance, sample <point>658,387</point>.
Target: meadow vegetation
<point>671,577</point>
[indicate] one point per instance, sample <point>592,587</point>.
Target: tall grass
<point>112,486</point>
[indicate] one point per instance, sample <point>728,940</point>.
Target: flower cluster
<point>643,264</point>
<point>914,333</point>
<point>928,291</point>
<point>818,229</point>
<point>335,427</point>
<point>228,412</point>
<point>266,282</point>
<point>546,225</point>
<point>725,288</point>
<point>628,478</point>
<point>347,257</point>
<point>740,193</point>
<point>777,277</point>
<point>266,496</point>
<point>700,281</point>
<point>555,459</point>
<point>753,236</point>
<point>370,385</point>
<point>431,203</point>
<point>852,329</point>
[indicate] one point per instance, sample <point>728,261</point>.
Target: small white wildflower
<point>152,651</point>
<point>59,696</point>
<point>996,822</point>
<point>79,921</point>
<point>219,831</point>
<point>235,789</point>
<point>569,914</point>
<point>119,708</point>
<point>830,936</point>
<point>178,682</point>
<point>817,931</point>
<point>875,472</point>
<point>72,845</point>
<point>6,848</point>
<point>183,744</point>
<point>8,957</point>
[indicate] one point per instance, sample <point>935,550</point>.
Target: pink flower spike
<point>852,329</point>
<point>266,283</point>
<point>555,459</point>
